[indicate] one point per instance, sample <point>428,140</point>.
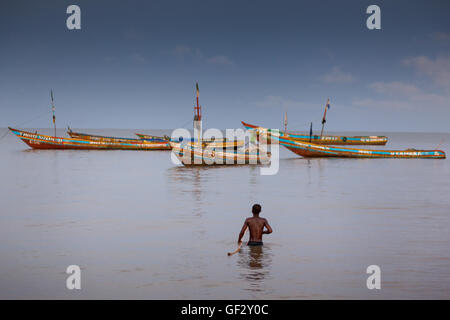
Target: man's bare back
<point>256,227</point>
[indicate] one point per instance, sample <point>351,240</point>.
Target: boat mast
<point>198,115</point>
<point>285,122</point>
<point>324,119</point>
<point>53,111</point>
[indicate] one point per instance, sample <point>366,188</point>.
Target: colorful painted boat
<point>150,137</point>
<point>327,140</point>
<point>306,149</point>
<point>192,155</point>
<point>218,143</point>
<point>94,137</point>
<point>221,144</point>
<point>40,141</point>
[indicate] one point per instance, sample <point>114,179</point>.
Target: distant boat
<point>112,139</point>
<point>199,151</point>
<point>81,141</point>
<point>327,140</point>
<point>190,155</point>
<point>306,149</point>
<point>219,143</point>
<point>233,144</point>
<point>40,141</point>
<point>150,137</point>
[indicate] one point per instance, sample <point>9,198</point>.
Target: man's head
<point>256,209</point>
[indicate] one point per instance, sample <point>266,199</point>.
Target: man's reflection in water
<point>254,263</point>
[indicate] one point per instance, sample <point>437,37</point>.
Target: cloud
<point>336,75</point>
<point>224,60</point>
<point>402,95</point>
<point>397,94</point>
<point>438,70</point>
<point>381,103</point>
<point>394,88</point>
<point>441,36</point>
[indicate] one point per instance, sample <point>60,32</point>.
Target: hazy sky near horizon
<point>134,64</point>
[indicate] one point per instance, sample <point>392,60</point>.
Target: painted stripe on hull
<point>93,137</point>
<point>314,150</point>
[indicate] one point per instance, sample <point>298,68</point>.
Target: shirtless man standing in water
<point>256,226</point>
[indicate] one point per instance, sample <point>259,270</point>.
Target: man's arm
<point>244,227</point>
<point>268,227</point>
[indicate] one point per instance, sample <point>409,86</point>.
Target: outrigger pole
<point>324,119</point>
<point>53,111</point>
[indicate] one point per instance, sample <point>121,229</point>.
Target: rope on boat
<point>186,123</point>
<point>300,127</point>
<point>6,133</point>
<point>26,122</point>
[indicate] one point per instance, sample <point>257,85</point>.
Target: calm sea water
<point>142,227</point>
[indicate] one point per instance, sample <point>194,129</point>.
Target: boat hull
<point>327,140</point>
<point>191,156</point>
<point>217,143</point>
<point>310,150</point>
<point>39,141</point>
<point>92,137</point>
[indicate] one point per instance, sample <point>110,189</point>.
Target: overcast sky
<point>134,64</point>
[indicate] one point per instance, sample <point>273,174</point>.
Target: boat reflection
<point>189,182</point>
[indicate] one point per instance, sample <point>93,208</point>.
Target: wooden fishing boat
<point>81,141</point>
<point>326,140</point>
<point>219,143</point>
<point>40,141</point>
<point>150,137</point>
<point>192,155</point>
<point>93,137</point>
<point>306,149</point>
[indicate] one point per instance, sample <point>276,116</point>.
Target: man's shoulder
<point>256,219</point>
